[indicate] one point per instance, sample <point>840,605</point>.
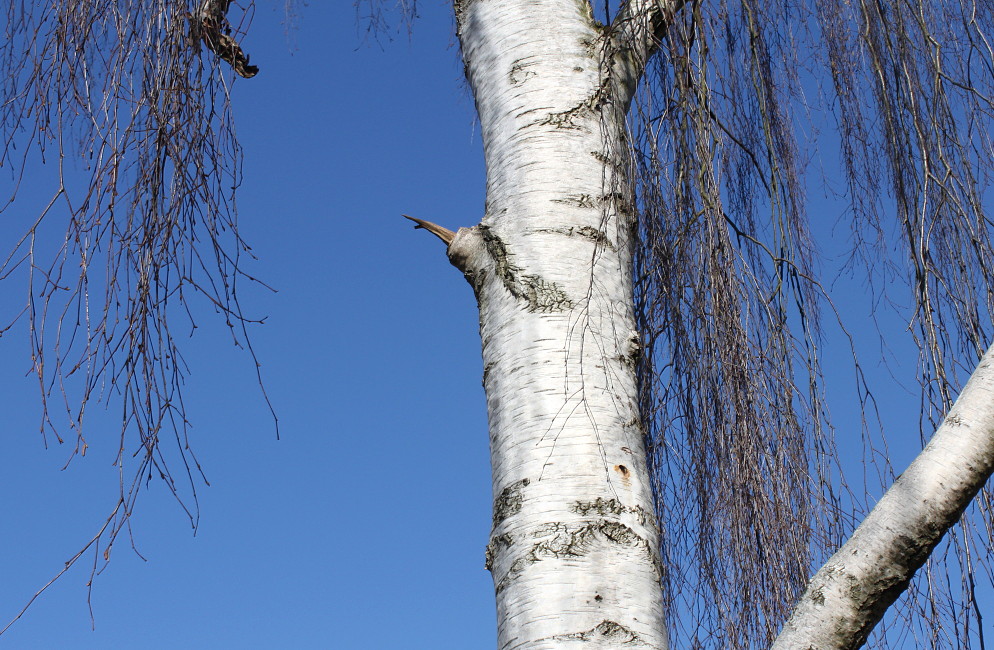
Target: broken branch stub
<point>441,232</point>
<point>211,26</point>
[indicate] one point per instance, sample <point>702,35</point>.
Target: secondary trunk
<point>849,595</point>
<point>573,551</point>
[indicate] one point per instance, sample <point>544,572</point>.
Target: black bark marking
<point>497,544</point>
<point>606,630</point>
<point>605,507</point>
<point>509,501</point>
<point>540,294</point>
<point>579,200</point>
<point>557,540</point>
<point>520,73</point>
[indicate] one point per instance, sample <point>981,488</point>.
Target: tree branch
<point>211,25</point>
<point>641,24</point>
<point>849,594</point>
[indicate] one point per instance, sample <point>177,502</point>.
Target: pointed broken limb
<point>442,233</point>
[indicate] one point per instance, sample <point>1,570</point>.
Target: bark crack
<point>579,200</point>
<point>586,232</point>
<point>520,73</point>
<point>558,540</point>
<point>606,630</point>
<point>568,119</point>
<point>497,544</point>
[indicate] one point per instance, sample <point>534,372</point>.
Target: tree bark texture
<point>573,550</point>
<point>851,592</point>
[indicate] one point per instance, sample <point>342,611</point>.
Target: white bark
<point>640,25</point>
<point>847,597</point>
<point>573,551</point>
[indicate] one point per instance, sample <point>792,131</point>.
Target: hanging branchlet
<point>146,167</point>
<point>727,294</point>
<point>730,385</point>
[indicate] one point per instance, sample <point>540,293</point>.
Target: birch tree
<point>664,471</point>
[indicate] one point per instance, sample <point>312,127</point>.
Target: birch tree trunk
<point>573,550</point>
<point>574,546</point>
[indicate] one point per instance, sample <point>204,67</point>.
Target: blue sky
<point>377,497</point>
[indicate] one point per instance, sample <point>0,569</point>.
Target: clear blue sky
<point>377,498</point>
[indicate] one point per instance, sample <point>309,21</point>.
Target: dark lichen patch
<point>590,45</point>
<point>588,106</point>
<point>633,354</point>
<point>595,235</point>
<point>566,120</point>
<point>558,540</point>
<point>498,253</point>
<point>497,544</point>
<point>509,501</point>
<point>605,507</point>
<point>619,533</point>
<point>543,296</point>
<point>486,372</point>
<point>540,294</point>
<point>459,8</point>
<point>621,202</point>
<point>599,506</point>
